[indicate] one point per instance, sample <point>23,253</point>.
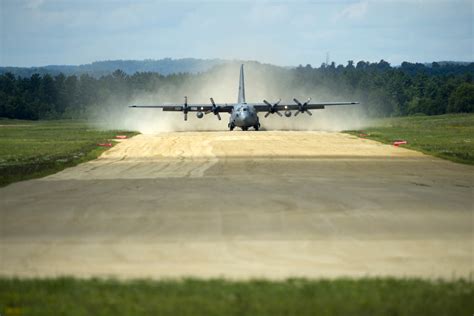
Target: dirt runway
<point>243,205</point>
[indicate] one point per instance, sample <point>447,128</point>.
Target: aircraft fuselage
<point>244,116</point>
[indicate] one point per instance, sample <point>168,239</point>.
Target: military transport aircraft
<point>243,114</point>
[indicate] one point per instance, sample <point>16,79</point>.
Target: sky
<point>288,33</point>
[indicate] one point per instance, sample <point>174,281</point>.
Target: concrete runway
<point>243,205</point>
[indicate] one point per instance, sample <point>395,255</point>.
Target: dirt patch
<point>236,204</point>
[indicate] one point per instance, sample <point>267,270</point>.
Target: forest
<point>385,91</point>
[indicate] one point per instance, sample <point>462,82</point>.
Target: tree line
<point>409,89</point>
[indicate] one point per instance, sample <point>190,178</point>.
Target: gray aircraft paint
<point>241,96</point>
<point>243,115</point>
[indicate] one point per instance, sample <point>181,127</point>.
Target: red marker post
<point>399,142</point>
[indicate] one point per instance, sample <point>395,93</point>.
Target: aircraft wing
<point>298,106</point>
<point>190,107</point>
<point>201,109</point>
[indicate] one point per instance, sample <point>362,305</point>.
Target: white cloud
<point>356,10</point>
<point>279,31</point>
<point>33,4</point>
<point>268,13</point>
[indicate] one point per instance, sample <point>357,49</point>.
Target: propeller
<point>272,108</point>
<point>302,107</point>
<point>185,108</point>
<point>215,109</point>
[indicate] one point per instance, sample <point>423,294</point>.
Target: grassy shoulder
<point>369,296</point>
<point>446,136</point>
<point>32,149</point>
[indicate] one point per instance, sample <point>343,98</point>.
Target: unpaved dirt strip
<point>243,205</point>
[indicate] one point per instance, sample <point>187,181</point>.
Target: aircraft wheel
<point>256,127</point>
<point>231,126</point>
<point>245,128</point>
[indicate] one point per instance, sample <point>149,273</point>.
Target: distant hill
<point>97,69</point>
<point>168,66</point>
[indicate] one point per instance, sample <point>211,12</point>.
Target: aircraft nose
<point>246,116</point>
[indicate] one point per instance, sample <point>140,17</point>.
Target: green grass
<point>384,296</point>
<point>32,149</point>
<point>35,149</point>
<point>445,136</point>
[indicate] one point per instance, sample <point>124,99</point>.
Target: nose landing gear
<point>256,127</point>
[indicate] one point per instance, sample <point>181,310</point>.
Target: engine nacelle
<point>287,113</point>
<point>199,115</point>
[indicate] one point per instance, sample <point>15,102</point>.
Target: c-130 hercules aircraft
<point>243,114</point>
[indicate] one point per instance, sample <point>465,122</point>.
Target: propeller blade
<point>309,113</point>
<point>185,116</point>
<point>279,113</point>
<point>297,102</point>
<point>297,112</point>
<point>214,109</point>
<point>266,115</point>
<point>306,103</point>
<point>267,103</point>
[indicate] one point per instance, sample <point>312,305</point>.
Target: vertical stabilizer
<point>241,96</point>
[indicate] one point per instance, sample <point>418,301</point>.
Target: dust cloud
<point>261,82</point>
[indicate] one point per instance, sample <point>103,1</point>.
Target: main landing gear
<point>256,126</point>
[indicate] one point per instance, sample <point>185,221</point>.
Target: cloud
<point>356,10</point>
<point>33,4</point>
<point>268,13</point>
<point>277,31</point>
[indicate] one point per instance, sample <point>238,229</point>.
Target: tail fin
<point>241,96</point>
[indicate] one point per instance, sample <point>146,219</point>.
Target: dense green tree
<point>462,99</point>
<point>383,90</point>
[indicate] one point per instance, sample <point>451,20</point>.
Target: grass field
<point>34,149</point>
<point>445,136</point>
<point>67,296</point>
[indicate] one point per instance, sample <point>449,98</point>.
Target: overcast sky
<point>42,32</point>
